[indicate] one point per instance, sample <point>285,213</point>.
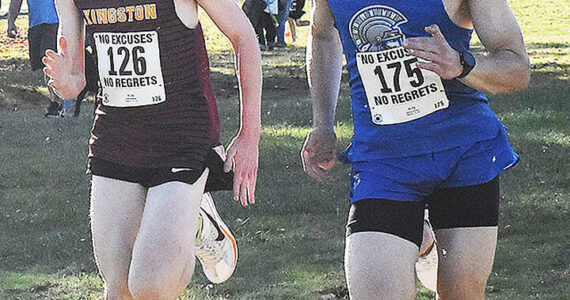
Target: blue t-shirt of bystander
<point>42,12</point>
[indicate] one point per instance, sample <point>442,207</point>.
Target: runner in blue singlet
<point>423,134</point>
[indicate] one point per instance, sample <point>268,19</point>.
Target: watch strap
<point>467,61</point>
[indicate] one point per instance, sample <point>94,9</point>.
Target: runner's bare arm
<point>66,67</point>
<point>506,66</point>
<point>244,150</point>
<point>13,12</point>
<point>324,68</point>
<point>324,64</point>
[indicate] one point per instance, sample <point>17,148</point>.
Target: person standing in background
<point>260,14</point>
<point>267,41</point>
<point>43,23</point>
<point>295,14</point>
<point>282,16</point>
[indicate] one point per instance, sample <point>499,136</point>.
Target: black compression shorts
<point>470,206</point>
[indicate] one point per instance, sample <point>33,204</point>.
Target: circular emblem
<point>375,28</point>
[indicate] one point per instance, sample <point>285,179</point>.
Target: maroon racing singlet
<point>157,108</point>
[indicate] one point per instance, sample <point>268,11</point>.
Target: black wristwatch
<point>467,61</point>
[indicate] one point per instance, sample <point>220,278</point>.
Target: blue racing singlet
<point>400,110</point>
<point>42,12</point>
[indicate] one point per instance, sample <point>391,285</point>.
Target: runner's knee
<point>152,288</point>
<point>159,282</point>
<point>462,282</point>
<point>117,292</point>
<point>462,286</point>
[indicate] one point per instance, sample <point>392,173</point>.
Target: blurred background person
<point>294,20</point>
<point>42,35</point>
<point>259,13</point>
<point>281,18</point>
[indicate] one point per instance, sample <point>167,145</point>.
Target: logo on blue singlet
<point>375,28</point>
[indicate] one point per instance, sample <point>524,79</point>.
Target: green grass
<point>291,241</point>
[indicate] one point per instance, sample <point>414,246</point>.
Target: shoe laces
<point>208,250</point>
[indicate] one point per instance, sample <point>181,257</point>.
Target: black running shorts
<point>149,177</point>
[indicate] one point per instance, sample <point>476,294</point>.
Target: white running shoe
<point>426,265</point>
<point>216,247</point>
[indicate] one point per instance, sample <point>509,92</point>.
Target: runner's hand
<point>59,67</point>
<point>243,154</point>
<point>319,154</point>
<point>441,58</point>
<point>12,30</point>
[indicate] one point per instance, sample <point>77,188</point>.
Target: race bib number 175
<point>397,90</point>
<point>129,68</point>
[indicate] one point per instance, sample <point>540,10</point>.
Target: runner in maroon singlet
<point>155,127</point>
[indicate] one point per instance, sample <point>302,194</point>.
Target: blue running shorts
<point>414,178</point>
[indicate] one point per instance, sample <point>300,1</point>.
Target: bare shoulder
<point>69,3</point>
<point>465,13</point>
<point>66,9</point>
<point>321,5</point>
<point>458,11</point>
<point>65,3</point>
<point>187,3</point>
<point>187,12</point>
<point>320,2</point>
<point>487,10</point>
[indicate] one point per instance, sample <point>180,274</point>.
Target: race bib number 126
<point>397,90</point>
<point>129,68</point>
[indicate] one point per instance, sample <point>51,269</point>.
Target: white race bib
<point>397,90</point>
<point>129,68</point>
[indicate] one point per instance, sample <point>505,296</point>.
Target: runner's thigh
<point>465,261</point>
<point>163,254</point>
<point>465,223</point>
<point>383,237</point>
<point>380,265</point>
<point>116,211</point>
